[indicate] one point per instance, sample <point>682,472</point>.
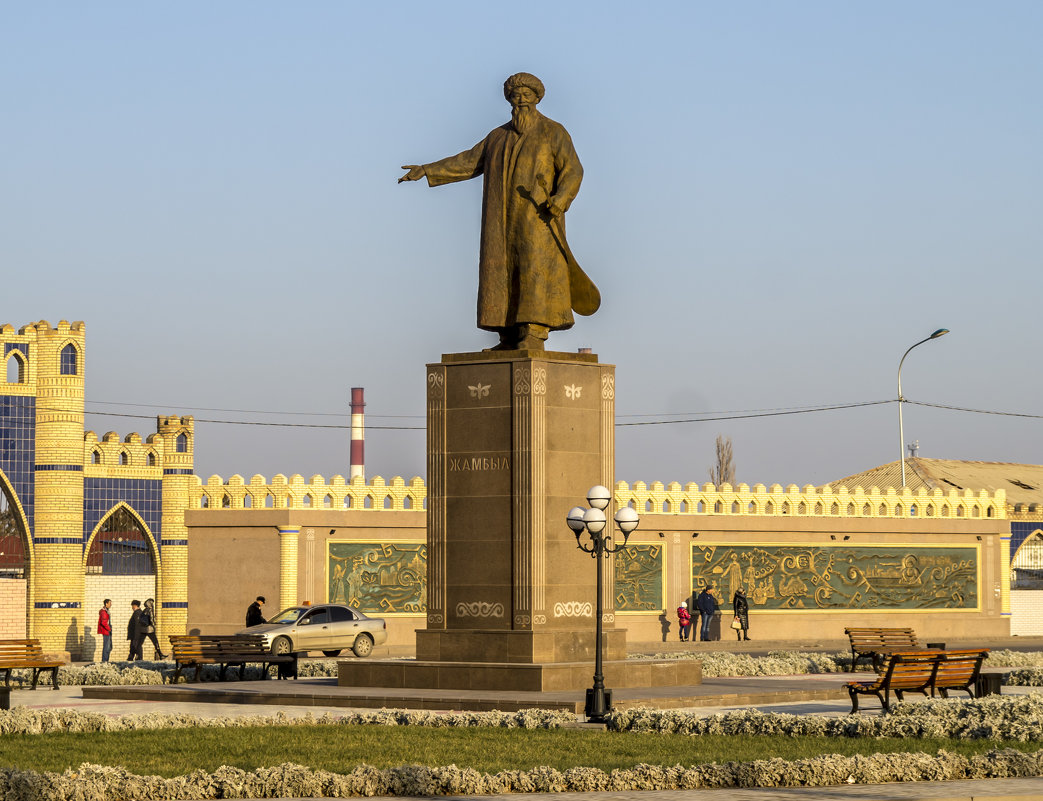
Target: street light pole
<point>901,399</point>
<point>593,521</point>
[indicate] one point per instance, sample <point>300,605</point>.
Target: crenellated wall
<point>318,493</point>
<point>706,499</point>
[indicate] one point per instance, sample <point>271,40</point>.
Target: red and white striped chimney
<point>358,433</point>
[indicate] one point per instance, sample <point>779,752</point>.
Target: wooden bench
<point>15,654</point>
<point>876,644</point>
<point>921,672</point>
<point>959,670</point>
<point>195,651</point>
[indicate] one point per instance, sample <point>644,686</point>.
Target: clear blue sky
<point>779,199</point>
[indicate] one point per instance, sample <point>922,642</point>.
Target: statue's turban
<point>523,79</point>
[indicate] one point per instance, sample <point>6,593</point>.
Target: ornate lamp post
<point>901,399</point>
<point>593,521</point>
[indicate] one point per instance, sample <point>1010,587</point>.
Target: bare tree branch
<point>723,472</point>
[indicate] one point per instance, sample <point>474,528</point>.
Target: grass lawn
<point>340,748</point>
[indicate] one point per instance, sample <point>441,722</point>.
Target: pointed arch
<point>18,511</point>
<point>16,564</point>
<point>148,536</point>
<point>1026,563</point>
<point>69,359</point>
<point>16,367</point>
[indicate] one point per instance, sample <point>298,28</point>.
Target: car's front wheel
<point>363,645</point>
<point>282,646</point>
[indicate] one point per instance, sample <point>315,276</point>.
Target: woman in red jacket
<point>105,629</point>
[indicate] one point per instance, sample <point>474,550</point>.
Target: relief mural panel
<point>378,578</point>
<point>639,579</point>
<point>840,577</point>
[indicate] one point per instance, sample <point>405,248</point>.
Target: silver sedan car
<point>329,628</point>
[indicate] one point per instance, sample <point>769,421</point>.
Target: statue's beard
<point>524,118</point>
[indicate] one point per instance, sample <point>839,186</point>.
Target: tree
<point>724,471</point>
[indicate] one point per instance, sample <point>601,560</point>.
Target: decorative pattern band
<point>574,609</point>
<point>178,471</point>
<point>71,467</point>
<point>58,540</point>
<point>174,604</point>
<point>479,609</point>
<point>173,542</point>
<point>57,605</point>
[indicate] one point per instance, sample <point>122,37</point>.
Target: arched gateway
<point>14,567</point>
<point>120,564</point>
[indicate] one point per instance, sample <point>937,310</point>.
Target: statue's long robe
<point>523,274</point>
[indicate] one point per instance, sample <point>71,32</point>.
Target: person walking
<point>742,614</point>
<point>147,628</point>
<point>684,620</point>
<point>253,613</point>
<point>132,632</point>
<point>105,629</point>
<point>706,605</point>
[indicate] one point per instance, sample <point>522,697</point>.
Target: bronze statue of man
<point>528,280</point>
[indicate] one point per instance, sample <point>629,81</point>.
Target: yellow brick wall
<point>177,487</point>
<point>57,574</point>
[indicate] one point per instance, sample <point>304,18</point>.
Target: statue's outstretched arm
<point>416,172</point>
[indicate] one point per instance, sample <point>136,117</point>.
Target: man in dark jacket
<point>707,605</point>
<point>253,613</point>
<point>135,638</point>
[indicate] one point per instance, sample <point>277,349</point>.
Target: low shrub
<point>787,663</point>
<point>1024,677</point>
<point>1017,717</point>
<point>101,783</point>
<point>144,672</point>
<point>993,717</point>
<point>27,720</point>
<point>776,663</point>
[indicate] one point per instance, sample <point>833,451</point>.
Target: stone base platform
<point>500,676</point>
<point>523,647</point>
<point>727,692</point>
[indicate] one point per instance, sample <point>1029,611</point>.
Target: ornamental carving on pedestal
<point>479,609</point>
<point>573,609</point>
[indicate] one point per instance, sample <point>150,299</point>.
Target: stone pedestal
<point>514,440</point>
